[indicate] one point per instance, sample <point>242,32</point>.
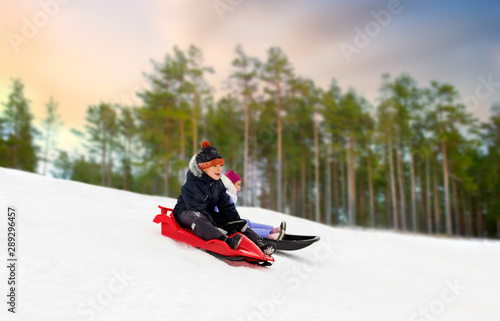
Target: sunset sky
<point>85,52</point>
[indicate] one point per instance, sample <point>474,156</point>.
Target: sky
<point>85,52</point>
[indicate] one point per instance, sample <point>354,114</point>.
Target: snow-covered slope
<point>93,253</point>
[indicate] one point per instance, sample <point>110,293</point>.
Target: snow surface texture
<point>93,253</point>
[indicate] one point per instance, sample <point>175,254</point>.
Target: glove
<point>236,226</point>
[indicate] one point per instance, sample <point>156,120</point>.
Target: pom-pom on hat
<point>208,156</point>
<point>233,177</point>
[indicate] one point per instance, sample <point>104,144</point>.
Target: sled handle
<point>165,210</point>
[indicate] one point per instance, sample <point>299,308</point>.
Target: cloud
<point>94,51</point>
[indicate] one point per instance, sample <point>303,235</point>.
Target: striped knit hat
<point>208,156</point>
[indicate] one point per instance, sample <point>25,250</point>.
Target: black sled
<point>292,242</point>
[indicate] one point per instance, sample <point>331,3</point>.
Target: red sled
<point>247,250</point>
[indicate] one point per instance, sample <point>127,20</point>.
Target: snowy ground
<point>93,253</point>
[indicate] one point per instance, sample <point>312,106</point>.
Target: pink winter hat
<point>233,177</point>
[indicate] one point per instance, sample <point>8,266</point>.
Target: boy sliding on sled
<point>202,192</point>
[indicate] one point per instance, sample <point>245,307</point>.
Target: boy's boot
<point>266,248</point>
<point>234,241</point>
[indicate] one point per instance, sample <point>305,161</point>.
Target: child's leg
<point>200,225</point>
<point>252,235</point>
<point>261,232</point>
<point>256,226</point>
<point>267,248</point>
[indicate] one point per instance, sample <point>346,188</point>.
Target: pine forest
<point>413,160</point>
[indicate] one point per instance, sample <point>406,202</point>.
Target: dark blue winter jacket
<point>202,193</point>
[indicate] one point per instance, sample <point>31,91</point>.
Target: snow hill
<point>93,253</point>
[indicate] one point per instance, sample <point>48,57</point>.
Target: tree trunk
<point>480,222</point>
<point>465,227</point>
<point>166,165</point>
<point>271,196</point>
<point>127,160</point>
<point>428,194</point>
<point>362,219</point>
<point>125,175</point>
<point>165,181</point>
<point>413,196</point>
<point>437,219</point>
<point>395,221</point>
<point>293,192</point>
<point>446,189</point>
<point>402,194</point>
<point>351,183</point>
<point>181,126</point>
<point>316,174</point>
<point>470,222</point>
<point>279,148</point>
<point>303,194</point>
<point>328,188</point>
<point>335,187</point>
<point>370,188</point>
<point>15,153</point>
<point>110,170</point>
<point>183,149</point>
<point>264,197</point>
<point>254,173</point>
<point>455,206</point>
<point>388,206</point>
<point>343,178</point>
<point>103,164</point>
<point>245,147</point>
<point>46,154</point>
<point>195,116</point>
<point>419,196</point>
<point>285,208</point>
<point>195,121</point>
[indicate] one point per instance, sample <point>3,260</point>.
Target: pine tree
<point>445,118</point>
<point>367,133</point>
<point>4,150</point>
<point>303,121</point>
<point>127,129</point>
<point>245,74</point>
<point>277,71</point>
<point>330,113</point>
<point>19,148</point>
<point>491,180</point>
<point>351,112</point>
<point>157,134</point>
<point>406,96</point>
<point>386,115</point>
<point>63,166</point>
<point>50,124</point>
<point>198,88</point>
<point>101,127</point>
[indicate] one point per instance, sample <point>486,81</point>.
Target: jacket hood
<point>229,185</point>
<point>194,168</point>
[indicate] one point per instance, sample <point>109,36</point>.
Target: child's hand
<point>236,226</point>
